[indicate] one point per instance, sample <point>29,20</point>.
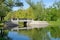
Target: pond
<point>52,38</point>
<point>17,36</point>
<point>35,34</point>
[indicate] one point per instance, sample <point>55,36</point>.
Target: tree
<point>3,10</point>
<point>6,6</point>
<point>38,8</point>
<point>53,11</point>
<point>28,13</point>
<point>57,6</point>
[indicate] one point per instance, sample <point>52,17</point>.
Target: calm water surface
<point>17,36</point>
<point>51,38</point>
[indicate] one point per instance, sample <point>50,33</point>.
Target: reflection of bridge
<point>17,29</point>
<point>35,24</point>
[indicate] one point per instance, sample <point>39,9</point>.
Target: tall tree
<point>28,13</point>
<point>57,6</point>
<point>37,7</point>
<point>6,6</point>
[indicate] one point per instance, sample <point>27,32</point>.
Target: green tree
<point>6,6</point>
<point>28,13</point>
<point>57,6</point>
<point>38,8</point>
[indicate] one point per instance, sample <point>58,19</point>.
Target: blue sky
<point>46,2</point>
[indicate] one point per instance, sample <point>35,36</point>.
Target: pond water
<point>42,34</point>
<point>17,36</point>
<point>51,38</point>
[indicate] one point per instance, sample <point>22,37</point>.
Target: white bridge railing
<point>16,21</point>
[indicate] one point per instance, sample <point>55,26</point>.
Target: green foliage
<point>21,14</point>
<point>42,13</point>
<point>55,32</point>
<point>5,32</point>
<point>54,23</point>
<point>1,25</point>
<point>36,34</point>
<point>6,6</point>
<point>9,16</point>
<point>41,33</point>
<point>37,11</point>
<point>21,24</point>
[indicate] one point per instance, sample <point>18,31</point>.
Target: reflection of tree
<point>3,34</point>
<point>55,32</point>
<point>37,34</point>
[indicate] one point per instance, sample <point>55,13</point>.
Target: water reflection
<point>50,33</point>
<point>51,38</point>
<point>17,36</point>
